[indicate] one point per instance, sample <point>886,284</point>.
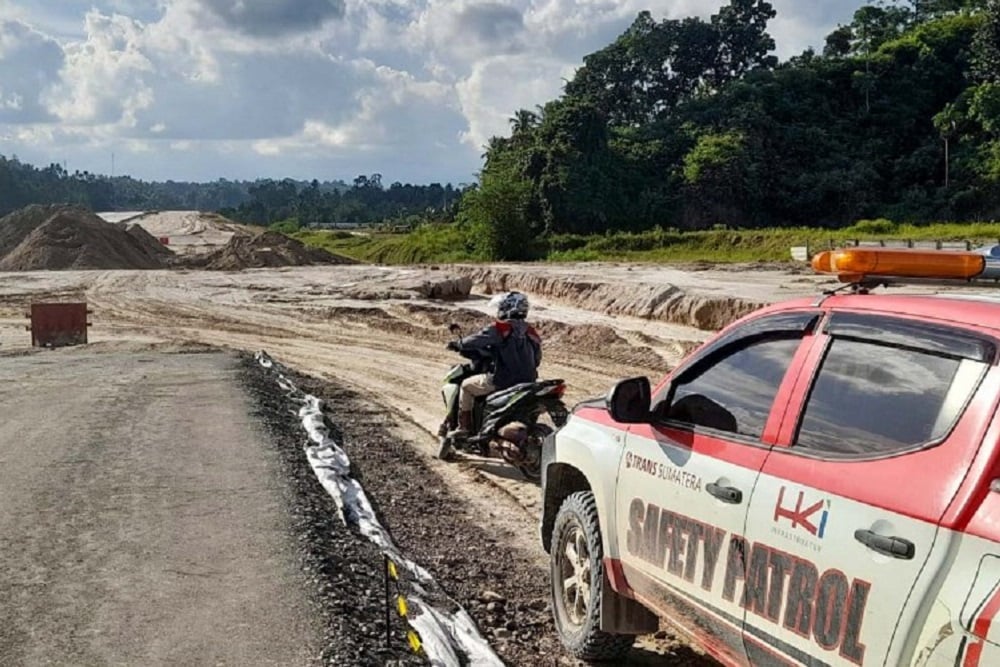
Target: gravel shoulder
<point>142,517</point>
<point>474,548</point>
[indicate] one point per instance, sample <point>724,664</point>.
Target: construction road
<point>140,517</point>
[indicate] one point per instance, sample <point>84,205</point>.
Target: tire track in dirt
<point>390,353</point>
<point>393,351</point>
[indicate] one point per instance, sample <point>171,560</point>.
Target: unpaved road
<point>366,329</point>
<point>362,326</point>
<point>189,232</point>
<point>141,517</point>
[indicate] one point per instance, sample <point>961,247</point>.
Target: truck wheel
<point>576,573</point>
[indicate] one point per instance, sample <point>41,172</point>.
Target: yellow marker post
<point>414,640</point>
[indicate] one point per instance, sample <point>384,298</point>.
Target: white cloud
<point>29,64</point>
<point>327,88</point>
<point>498,86</point>
<point>103,77</point>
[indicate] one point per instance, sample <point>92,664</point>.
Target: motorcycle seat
<point>500,397</point>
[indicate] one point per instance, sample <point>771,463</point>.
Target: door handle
<point>726,494</point>
<point>896,547</point>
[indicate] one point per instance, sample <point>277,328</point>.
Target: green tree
<point>496,215</point>
<point>986,47</point>
<point>714,171</point>
<point>744,43</point>
<point>838,42</point>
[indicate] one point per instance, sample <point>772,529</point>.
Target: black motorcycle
<point>505,423</point>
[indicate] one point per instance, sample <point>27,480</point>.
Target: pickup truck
<point>819,484</point>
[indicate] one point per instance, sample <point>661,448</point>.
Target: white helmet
<point>511,306</point>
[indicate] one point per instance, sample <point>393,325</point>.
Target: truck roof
<point>974,309</point>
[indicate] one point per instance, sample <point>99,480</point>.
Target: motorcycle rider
<point>516,349</point>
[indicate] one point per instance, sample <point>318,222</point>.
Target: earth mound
<point>265,250</point>
<point>15,226</point>
<point>70,237</point>
<point>149,242</point>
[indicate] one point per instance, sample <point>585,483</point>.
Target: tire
<point>576,605</point>
<point>532,466</point>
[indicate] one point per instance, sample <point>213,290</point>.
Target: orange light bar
<point>853,264</point>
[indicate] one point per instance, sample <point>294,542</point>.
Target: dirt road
<point>359,325</point>
<point>367,329</point>
<point>141,517</point>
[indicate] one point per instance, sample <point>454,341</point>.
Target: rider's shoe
<point>464,426</point>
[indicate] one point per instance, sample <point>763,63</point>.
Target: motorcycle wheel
<point>531,468</point>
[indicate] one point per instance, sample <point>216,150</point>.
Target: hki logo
<point>805,518</point>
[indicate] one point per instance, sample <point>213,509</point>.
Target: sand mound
<point>268,249</point>
<point>73,238</point>
<point>149,242</point>
<point>15,226</point>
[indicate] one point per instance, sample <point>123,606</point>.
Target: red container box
<point>59,324</point>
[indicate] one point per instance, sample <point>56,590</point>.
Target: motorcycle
<point>505,423</point>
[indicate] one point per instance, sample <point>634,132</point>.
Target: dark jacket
<point>516,349</point>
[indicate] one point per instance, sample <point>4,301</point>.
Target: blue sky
<point>207,89</point>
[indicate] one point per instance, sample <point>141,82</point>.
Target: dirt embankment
<point>666,303</point>
<point>443,288</point>
<point>567,342</point>
<point>265,250</point>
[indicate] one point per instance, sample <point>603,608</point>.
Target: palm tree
<point>495,145</point>
<point>523,121</point>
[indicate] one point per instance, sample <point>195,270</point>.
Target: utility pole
<point>947,164</point>
<point>947,155</point>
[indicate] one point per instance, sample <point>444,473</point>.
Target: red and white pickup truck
<point>817,485</point>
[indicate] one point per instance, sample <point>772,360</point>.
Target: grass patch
<point>451,243</point>
<point>427,244</point>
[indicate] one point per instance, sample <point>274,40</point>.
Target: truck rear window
<point>875,399</point>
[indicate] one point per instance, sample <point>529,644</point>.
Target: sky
<point>196,90</point>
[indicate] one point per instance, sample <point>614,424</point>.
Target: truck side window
<point>734,393</point>
<point>876,399</point>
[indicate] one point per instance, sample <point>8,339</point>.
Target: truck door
<point>843,542</point>
<point>685,481</point>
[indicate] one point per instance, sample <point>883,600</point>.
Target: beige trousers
<point>477,385</point>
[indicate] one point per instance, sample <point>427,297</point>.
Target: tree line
<point>262,202</point>
<point>365,201</point>
<point>22,184</point>
<point>692,123</point>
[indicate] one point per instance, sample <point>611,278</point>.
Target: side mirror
<point>454,328</point>
<point>629,401</point>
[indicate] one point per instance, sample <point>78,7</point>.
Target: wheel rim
<point>573,579</point>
